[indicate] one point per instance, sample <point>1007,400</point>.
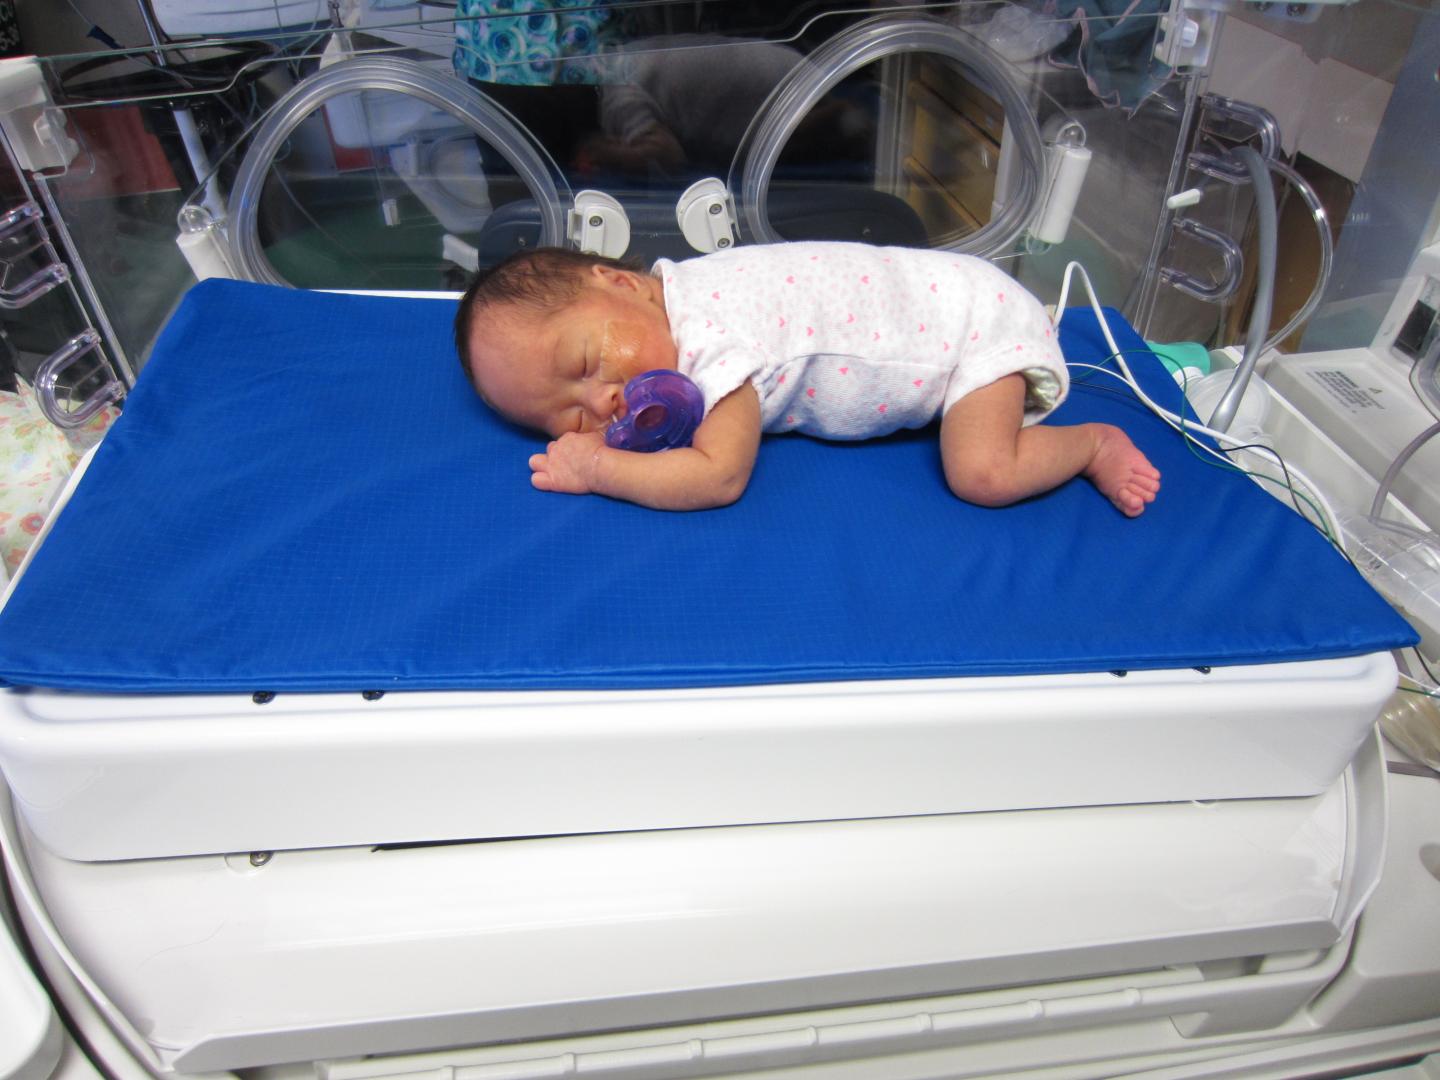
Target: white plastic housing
<point>34,127</point>
<point>207,253</point>
<point>136,776</point>
<point>229,961</point>
<point>1065,168</point>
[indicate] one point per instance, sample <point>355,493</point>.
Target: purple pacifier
<point>662,411</point>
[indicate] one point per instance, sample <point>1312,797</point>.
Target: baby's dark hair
<point>540,280</point>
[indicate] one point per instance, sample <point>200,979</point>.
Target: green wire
<point>1191,444</point>
<point>1417,690</point>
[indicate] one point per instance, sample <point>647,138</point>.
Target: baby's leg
<point>992,460</point>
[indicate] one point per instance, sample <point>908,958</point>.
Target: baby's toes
<point>1127,501</point>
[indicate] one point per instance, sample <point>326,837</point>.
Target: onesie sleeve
<point>715,342</point>
<point>718,372</point>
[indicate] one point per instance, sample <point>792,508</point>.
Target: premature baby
<point>836,340</point>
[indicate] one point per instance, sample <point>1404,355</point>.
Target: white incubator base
<point>101,777</point>
<point>1221,917</point>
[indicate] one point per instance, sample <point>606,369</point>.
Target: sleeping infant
<point>835,340</point>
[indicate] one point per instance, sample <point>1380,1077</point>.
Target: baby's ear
<point>615,277</point>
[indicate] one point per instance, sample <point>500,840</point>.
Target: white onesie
<point>849,341</point>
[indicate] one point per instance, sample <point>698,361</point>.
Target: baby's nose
<point>607,400</point>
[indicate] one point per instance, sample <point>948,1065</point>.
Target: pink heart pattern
<point>840,297</point>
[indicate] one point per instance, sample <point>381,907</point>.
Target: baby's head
<point>550,337</point>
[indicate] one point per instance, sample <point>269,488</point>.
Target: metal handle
<point>46,378</point>
<point>1230,255</point>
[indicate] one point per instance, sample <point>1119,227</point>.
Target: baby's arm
<point>711,472</point>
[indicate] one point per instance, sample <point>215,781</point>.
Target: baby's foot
<point>1121,472</point>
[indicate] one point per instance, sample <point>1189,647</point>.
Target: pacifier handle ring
<point>652,415</point>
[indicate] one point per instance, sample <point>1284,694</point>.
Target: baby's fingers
<point>556,470</point>
<point>540,472</point>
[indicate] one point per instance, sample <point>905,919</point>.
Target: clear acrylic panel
<point>919,145</point>
<point>1351,91</point>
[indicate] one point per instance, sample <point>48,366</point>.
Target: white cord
<point>1178,422</point>
<point>1306,487</point>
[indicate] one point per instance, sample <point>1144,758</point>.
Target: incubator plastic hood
<point>833,121</point>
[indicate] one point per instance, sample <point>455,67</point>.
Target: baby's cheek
<point>628,349</point>
<point>620,347</point>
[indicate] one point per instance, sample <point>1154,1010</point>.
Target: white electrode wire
<point>1179,423</point>
<point>1305,489</point>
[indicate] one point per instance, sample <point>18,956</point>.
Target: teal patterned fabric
<point>529,42</point>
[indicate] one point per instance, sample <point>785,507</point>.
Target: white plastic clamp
<point>706,215</point>
<point>598,224</point>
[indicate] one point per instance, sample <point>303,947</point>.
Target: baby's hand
<point>568,464</point>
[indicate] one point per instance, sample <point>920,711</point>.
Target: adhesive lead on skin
<point>620,343</point>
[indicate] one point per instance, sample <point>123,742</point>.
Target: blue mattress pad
<point>304,493</point>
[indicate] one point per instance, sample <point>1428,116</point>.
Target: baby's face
<point>567,370</point>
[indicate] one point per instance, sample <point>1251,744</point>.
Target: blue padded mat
<point>304,494</point>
